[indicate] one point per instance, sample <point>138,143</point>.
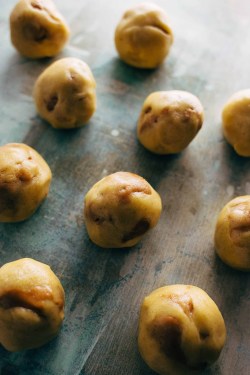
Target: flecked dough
<point>31,304</point>
<point>169,121</point>
<point>232,233</point>
<point>143,36</point>
<point>120,209</point>
<point>181,330</point>
<point>24,181</point>
<point>37,28</point>
<point>65,93</point>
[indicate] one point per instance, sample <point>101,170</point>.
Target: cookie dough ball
<point>65,93</point>
<point>236,122</point>
<point>24,181</point>
<point>169,121</point>
<point>143,36</point>
<point>37,28</point>
<point>120,209</point>
<point>232,233</point>
<point>181,330</point>
<point>31,304</point>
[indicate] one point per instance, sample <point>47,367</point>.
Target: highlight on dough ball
<point>65,93</point>
<point>181,330</point>
<point>24,181</point>
<point>236,122</point>
<point>232,233</point>
<point>169,121</point>
<point>37,28</point>
<point>31,304</point>
<point>120,209</point>
<point>143,36</point>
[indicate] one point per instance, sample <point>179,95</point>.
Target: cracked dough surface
<point>120,209</point>
<point>143,36</point>
<point>180,330</point>
<point>31,304</point>
<point>37,28</point>
<point>24,181</point>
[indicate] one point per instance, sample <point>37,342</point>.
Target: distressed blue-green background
<point>210,58</point>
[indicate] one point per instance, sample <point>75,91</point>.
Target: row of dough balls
<point>180,327</point>
<point>65,91</point>
<point>118,210</point>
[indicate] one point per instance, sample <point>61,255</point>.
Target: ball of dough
<point>65,93</point>
<point>181,330</point>
<point>31,304</point>
<point>143,36</point>
<point>119,209</point>
<point>37,28</point>
<point>232,233</point>
<point>236,122</point>
<point>169,121</point>
<point>24,181</point>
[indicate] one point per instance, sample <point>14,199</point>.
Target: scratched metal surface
<point>104,288</point>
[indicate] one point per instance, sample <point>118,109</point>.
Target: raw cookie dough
<point>181,330</point>
<point>120,209</point>
<point>31,304</point>
<point>24,181</point>
<point>143,36</point>
<point>232,233</point>
<point>65,93</point>
<point>37,28</point>
<point>236,122</point>
<point>169,121</point>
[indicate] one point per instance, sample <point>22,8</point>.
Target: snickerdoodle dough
<point>169,121</point>
<point>232,233</point>
<point>37,28</point>
<point>120,209</point>
<point>236,122</point>
<point>65,93</point>
<point>24,181</point>
<point>31,304</point>
<point>181,330</point>
<point>143,36</point>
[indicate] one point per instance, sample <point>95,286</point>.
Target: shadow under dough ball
<point>31,304</point>
<point>143,37</point>
<point>120,209</point>
<point>65,93</point>
<point>24,181</point>
<point>181,330</point>
<point>37,28</point>
<point>232,233</point>
<point>236,122</point>
<point>169,121</point>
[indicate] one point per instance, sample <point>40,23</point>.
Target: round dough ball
<point>65,93</point>
<point>31,304</point>
<point>181,330</point>
<point>232,233</point>
<point>37,28</point>
<point>236,122</point>
<point>120,209</point>
<point>169,121</point>
<point>143,36</point>
<point>24,181</point>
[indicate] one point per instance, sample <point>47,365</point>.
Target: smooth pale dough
<point>37,28</point>
<point>31,304</point>
<point>65,93</point>
<point>120,209</point>
<point>143,36</point>
<point>181,330</point>
<point>24,181</point>
<point>232,233</point>
<point>169,121</point>
<point>236,122</point>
